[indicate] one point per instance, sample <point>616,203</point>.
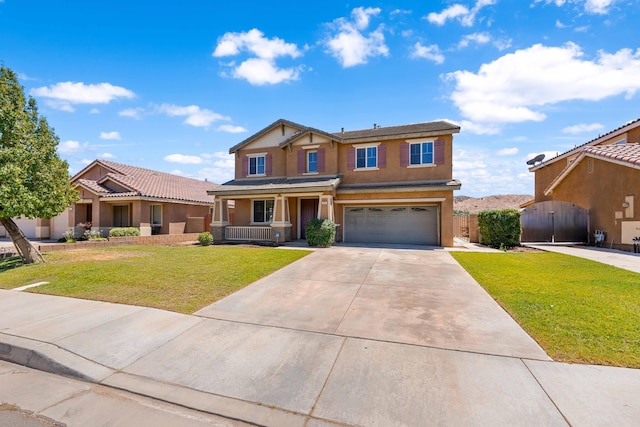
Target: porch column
<point>220,218</point>
<point>325,209</point>
<point>281,223</point>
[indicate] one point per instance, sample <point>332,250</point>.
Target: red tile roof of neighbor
<point>146,183</point>
<point>626,153</point>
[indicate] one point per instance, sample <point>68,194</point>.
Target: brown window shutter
<point>438,152</point>
<point>382,156</point>
<point>302,166</point>
<point>320,159</point>
<point>404,155</point>
<point>245,166</point>
<point>268,170</point>
<point>351,158</point>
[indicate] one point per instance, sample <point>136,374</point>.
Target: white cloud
<point>477,38</point>
<point>72,147</point>
<point>83,162</point>
<point>460,12</point>
<point>111,135</point>
<point>508,151</point>
<point>350,45</point>
<point>195,116</point>
<point>514,87</point>
<point>582,128</point>
<point>479,128</point>
<point>431,52</point>
<point>184,159</point>
<point>259,72</point>
<point>64,94</point>
<point>106,156</point>
<point>94,111</point>
<point>134,113</point>
<point>231,129</point>
<point>262,68</point>
<point>594,7</point>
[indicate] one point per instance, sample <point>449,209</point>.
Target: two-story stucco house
<point>384,184</point>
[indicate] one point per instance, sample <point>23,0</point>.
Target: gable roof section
<point>416,130</point>
<point>612,134</point>
<point>627,155</point>
<point>146,183</point>
<point>262,132</point>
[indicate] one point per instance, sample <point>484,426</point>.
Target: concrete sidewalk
<point>625,260</point>
<point>345,336</point>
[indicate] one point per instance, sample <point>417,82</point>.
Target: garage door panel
<point>392,224</point>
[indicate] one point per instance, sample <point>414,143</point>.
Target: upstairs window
<point>256,165</point>
<point>421,153</point>
<point>312,161</point>
<point>366,157</point>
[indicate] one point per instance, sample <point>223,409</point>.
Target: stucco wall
<point>602,192</point>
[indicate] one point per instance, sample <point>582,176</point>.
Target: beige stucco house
<point>118,195</point>
<point>384,184</point>
<point>602,176</point>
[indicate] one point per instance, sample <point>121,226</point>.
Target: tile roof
<point>621,129</point>
<point>146,183</point>
<point>625,153</point>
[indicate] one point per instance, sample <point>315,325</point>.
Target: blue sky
<point>172,86</point>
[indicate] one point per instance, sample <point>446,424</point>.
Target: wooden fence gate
<point>461,226</point>
<point>554,221</point>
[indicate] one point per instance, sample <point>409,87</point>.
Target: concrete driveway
<point>420,297</point>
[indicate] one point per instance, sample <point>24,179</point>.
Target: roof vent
<point>375,126</point>
<point>342,130</point>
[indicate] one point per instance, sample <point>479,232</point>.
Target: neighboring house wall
<point>602,192</point>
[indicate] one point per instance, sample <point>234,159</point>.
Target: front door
<point>308,210</point>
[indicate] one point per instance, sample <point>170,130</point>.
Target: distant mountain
<point>475,205</point>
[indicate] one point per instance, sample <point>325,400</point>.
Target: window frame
<point>266,218</point>
<point>151,208</point>
<point>256,160</point>
<point>308,156</point>
<point>366,157</point>
<point>422,152</point>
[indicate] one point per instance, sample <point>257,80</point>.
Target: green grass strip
<point>578,310</point>
<point>180,279</point>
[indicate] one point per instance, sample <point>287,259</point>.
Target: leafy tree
<point>34,181</point>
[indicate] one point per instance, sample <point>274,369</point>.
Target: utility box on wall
<point>630,229</point>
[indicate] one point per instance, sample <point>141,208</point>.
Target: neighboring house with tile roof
<point>601,176</point>
<point>117,195</point>
<point>384,184</point>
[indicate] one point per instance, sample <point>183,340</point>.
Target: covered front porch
<point>269,212</point>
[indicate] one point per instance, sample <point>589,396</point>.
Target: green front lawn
<point>182,279</point>
<point>578,310</point>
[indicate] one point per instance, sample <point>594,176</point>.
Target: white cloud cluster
<point>194,115</point>
<point>350,44</point>
<point>115,136</point>
<point>221,165</point>
<point>134,113</point>
<point>460,12</point>
<point>64,95</point>
<point>582,128</point>
<point>183,159</point>
<point>231,129</point>
<point>431,52</point>
<point>514,87</point>
<point>261,69</point>
<point>594,7</point>
<point>477,38</point>
<point>72,147</point>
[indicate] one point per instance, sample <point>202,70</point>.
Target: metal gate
<point>554,221</point>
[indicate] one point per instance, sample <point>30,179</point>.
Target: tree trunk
<point>27,251</point>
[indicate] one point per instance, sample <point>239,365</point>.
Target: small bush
<point>205,238</point>
<point>500,228</point>
<point>92,235</point>
<point>124,232</point>
<point>320,232</point>
<point>67,237</point>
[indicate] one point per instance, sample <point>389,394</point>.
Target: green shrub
<point>67,237</point>
<point>320,232</point>
<point>124,232</point>
<point>205,238</point>
<point>500,228</point>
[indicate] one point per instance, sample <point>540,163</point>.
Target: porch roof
<point>408,186</point>
<point>240,187</point>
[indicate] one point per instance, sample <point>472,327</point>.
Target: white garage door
<point>392,224</point>
<point>28,226</point>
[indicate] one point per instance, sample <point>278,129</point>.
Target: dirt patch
<point>100,255</point>
<point>523,249</point>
